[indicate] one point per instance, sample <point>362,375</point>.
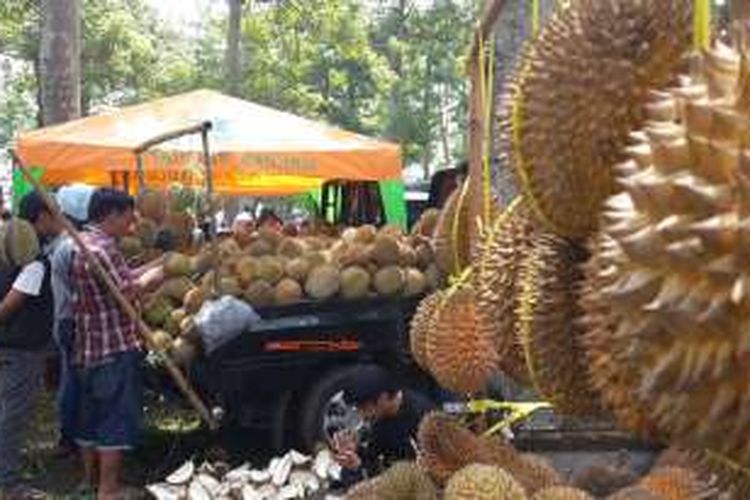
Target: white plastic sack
<point>220,321</point>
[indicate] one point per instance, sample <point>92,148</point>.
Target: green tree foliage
<point>392,68</point>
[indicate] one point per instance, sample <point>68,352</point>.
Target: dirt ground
<point>171,437</point>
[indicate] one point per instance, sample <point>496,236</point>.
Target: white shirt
<point>29,280</point>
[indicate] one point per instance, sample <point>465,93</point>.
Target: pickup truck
<point>285,375</point>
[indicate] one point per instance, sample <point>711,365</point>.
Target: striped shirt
<point>102,328</point>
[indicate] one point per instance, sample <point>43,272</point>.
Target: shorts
<point>111,412</point>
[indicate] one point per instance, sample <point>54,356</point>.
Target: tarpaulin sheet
<point>255,149</point>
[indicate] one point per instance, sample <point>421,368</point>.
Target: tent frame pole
<point>142,328</point>
<point>201,128</point>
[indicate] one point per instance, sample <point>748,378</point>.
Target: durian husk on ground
<point>613,375</point>
<point>496,281</point>
<point>402,481</point>
<point>681,286</point>
<point>562,493</point>
<point>421,325</point>
<point>483,482</point>
<point>459,354</point>
<point>445,447</point>
<point>451,237</point>
<point>548,324</point>
<point>675,483</point>
<point>581,90</point>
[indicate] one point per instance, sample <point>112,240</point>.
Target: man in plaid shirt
<point>108,349</point>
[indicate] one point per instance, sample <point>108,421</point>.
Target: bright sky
<point>186,11</point>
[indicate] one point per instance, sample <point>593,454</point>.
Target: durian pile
<point>165,218</point>
<point>268,268</point>
<point>454,463</point>
<point>288,477</point>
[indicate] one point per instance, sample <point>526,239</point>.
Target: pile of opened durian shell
<point>291,476</point>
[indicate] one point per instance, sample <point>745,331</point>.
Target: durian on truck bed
<point>285,374</point>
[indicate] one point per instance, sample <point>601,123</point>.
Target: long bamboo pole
<point>142,328</point>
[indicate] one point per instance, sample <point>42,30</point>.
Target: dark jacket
<point>30,328</point>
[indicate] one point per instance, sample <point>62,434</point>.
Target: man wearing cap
<point>392,414</point>
<point>242,228</point>
<point>26,322</point>
<point>74,204</point>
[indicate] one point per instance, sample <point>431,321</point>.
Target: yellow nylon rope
<point>702,24</point>
<point>534,17</point>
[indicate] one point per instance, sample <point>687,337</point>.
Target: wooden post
<point>209,194</point>
<point>125,305</point>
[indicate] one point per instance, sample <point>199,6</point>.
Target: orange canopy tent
<point>254,149</point>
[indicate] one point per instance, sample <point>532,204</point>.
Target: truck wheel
<point>323,406</point>
<point>280,424</point>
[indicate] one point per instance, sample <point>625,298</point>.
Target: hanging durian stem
<point>702,24</point>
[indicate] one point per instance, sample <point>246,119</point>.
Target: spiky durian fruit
<point>634,493</point>
<point>675,483</point>
<point>581,91</point>
<point>496,282</point>
<point>445,446</point>
<point>420,328</point>
<point>460,355</point>
<point>451,241</point>
<point>729,477</point>
<point>483,482</point>
<point>19,243</point>
<point>402,481</point>
<point>612,374</point>
<point>677,251</point>
<point>548,326</point>
<point>561,493</point>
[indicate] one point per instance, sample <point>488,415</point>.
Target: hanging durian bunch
<point>501,251</point>
<point>612,374</point>
<point>677,245</point>
<point>548,323</point>
<point>460,355</point>
<point>451,237</point>
<point>422,323</point>
<point>580,91</point>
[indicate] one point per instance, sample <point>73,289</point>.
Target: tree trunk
<point>232,58</point>
<point>60,61</point>
<point>740,9</point>
<point>445,120</point>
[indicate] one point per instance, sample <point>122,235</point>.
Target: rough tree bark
<point>232,57</point>
<point>60,61</point>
